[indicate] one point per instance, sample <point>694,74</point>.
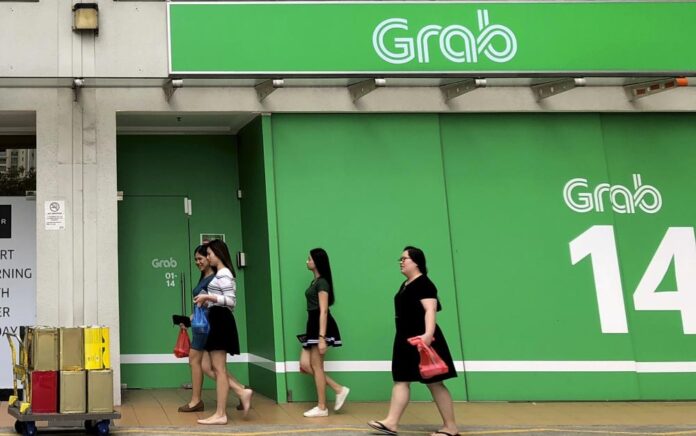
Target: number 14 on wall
<point>679,244</point>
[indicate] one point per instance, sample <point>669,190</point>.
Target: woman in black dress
<point>321,332</point>
<point>415,306</point>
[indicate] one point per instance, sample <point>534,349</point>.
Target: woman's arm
<point>228,289</point>
<point>323,317</point>
<point>430,306</point>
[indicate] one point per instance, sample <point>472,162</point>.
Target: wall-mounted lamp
<point>265,88</point>
<point>455,89</point>
<point>644,89</point>
<point>77,84</point>
<point>86,17</point>
<point>171,86</point>
<point>360,89</point>
<point>554,87</point>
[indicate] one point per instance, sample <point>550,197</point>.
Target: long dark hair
<point>221,252</point>
<point>321,262</point>
<point>203,251</point>
<point>418,257</point>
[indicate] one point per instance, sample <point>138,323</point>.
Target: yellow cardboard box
<point>97,355</point>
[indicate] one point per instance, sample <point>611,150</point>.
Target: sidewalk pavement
<point>154,412</point>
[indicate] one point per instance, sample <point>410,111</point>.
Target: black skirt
<point>223,331</point>
<point>405,359</point>
<point>311,335</point>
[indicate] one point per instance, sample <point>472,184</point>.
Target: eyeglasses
<point>401,259</point>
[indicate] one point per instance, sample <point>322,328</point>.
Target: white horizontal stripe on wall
<point>170,358</point>
<point>549,366</point>
<point>460,366</point>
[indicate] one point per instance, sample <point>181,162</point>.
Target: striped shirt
<point>224,288</point>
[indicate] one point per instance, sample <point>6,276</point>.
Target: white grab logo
<point>407,49</point>
<point>164,263</point>
<point>581,199</point>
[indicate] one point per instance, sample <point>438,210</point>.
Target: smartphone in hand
<point>181,319</point>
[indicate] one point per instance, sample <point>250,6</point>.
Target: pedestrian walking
<point>197,353</point>
<point>415,306</point>
<point>321,332</point>
<point>221,298</point>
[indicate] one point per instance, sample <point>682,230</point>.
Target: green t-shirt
<point>312,293</point>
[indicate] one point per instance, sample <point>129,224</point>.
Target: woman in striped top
<point>223,338</point>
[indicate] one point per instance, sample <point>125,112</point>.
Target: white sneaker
<point>316,412</point>
<point>341,398</point>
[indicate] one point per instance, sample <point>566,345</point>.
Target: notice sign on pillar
<point>17,273</point>
<point>54,211</point>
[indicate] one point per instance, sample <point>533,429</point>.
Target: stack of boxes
<point>69,369</point>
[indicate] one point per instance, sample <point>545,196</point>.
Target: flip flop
<point>382,428</point>
<point>446,433</point>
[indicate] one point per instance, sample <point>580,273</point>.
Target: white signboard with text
<point>54,214</point>
<point>17,274</point>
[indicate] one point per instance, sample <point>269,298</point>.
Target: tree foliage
<point>15,182</point>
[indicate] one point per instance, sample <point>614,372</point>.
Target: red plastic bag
<point>431,364</point>
<point>183,344</point>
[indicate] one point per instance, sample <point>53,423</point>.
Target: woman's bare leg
<point>317,361</point>
<point>306,366</point>
<point>219,363</point>
<point>443,400</point>
<point>401,394</point>
<point>195,359</point>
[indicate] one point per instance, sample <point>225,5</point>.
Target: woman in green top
<point>321,333</point>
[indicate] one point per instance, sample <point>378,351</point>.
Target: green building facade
<point>562,246</point>
<point>540,153</point>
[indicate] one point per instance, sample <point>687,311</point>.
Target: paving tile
<point>157,409</point>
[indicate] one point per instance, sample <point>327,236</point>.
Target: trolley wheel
<point>30,428</point>
<point>89,426</point>
<point>19,427</point>
<point>103,427</point>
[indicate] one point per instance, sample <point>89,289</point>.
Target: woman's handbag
<point>183,344</point>
<point>431,364</point>
<point>199,322</point>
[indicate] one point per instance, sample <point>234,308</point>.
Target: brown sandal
<point>197,408</point>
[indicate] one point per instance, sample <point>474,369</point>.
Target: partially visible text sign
<point>17,276</point>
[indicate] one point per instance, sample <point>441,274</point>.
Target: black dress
<point>410,321</point>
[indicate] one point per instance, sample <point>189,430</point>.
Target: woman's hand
<point>202,298</point>
<point>322,346</point>
<point>426,338</point>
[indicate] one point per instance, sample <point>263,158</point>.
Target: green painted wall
<point>662,149</point>
<point>520,297</point>
<point>483,194</point>
<point>156,173</point>
<point>263,313</point>
<point>518,269</point>
<point>362,187</point>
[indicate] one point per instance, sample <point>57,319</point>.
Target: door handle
<point>182,281</point>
